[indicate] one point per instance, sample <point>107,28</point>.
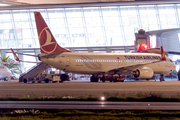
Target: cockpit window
<point>171,60</point>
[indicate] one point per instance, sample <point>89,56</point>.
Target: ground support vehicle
<point>111,78</point>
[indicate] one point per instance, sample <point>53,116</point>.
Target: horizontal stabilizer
<point>51,55</point>
<point>15,56</point>
<point>28,54</point>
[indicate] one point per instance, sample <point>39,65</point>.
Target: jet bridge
<point>33,72</point>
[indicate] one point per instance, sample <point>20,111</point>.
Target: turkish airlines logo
<point>47,44</point>
<point>163,55</point>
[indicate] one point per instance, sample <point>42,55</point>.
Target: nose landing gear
<point>94,78</point>
<point>161,78</point>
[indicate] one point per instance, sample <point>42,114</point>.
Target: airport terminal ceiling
<point>89,26</point>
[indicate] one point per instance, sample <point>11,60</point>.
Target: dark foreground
<point>89,115</point>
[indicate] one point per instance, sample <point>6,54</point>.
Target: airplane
<point>5,72</point>
<point>141,65</point>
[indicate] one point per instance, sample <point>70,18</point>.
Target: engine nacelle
<point>144,72</point>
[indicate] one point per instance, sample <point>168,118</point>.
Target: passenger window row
<point>79,60</point>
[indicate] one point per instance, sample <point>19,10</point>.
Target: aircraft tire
<point>61,81</point>
<point>46,80</point>
<point>92,79</point>
<point>162,79</point>
<point>110,80</point>
<point>25,80</point>
<point>33,81</point>
<point>103,79</point>
<point>96,79</point>
<point>54,81</point>
<point>114,80</point>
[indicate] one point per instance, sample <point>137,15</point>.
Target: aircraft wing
<point>129,69</point>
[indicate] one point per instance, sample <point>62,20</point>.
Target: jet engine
<point>144,72</point>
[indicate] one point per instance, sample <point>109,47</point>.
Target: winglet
<point>15,56</point>
<point>163,57</point>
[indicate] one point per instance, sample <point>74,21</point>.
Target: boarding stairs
<point>33,72</point>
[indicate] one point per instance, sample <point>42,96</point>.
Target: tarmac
<point>166,88</point>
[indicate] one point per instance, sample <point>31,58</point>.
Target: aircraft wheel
<point>25,80</point>
<point>103,79</point>
<point>93,79</point>
<point>33,81</point>
<point>110,80</point>
<point>46,80</point>
<point>161,78</point>
<point>96,79</point>
<point>54,81</point>
<point>114,80</point>
<point>61,81</point>
<point>39,81</point>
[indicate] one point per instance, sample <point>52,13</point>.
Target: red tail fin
<point>15,56</point>
<point>47,41</point>
<point>163,57</point>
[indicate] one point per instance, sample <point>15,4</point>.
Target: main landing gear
<point>94,78</point>
<point>161,78</point>
<point>102,78</point>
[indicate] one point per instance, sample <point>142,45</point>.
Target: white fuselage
<point>94,63</point>
<point>5,72</point>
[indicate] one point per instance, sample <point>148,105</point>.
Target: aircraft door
<point>67,61</point>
